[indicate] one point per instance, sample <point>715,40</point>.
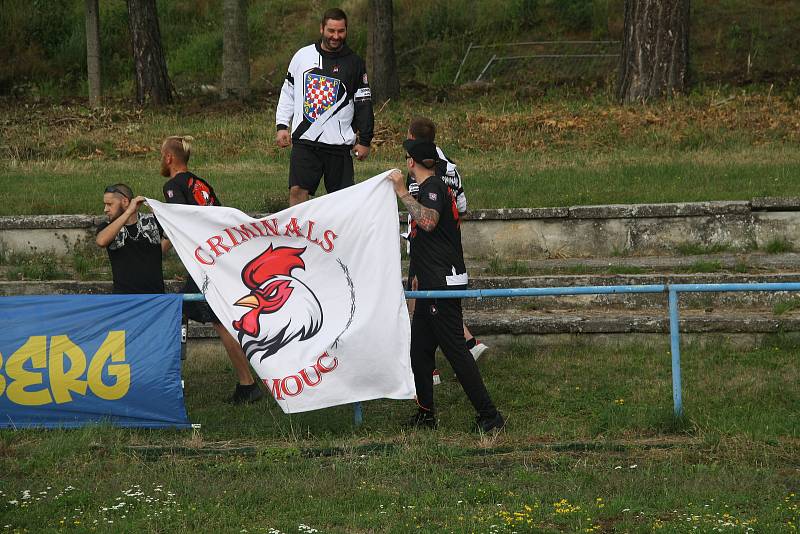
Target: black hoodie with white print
<point>326,99</point>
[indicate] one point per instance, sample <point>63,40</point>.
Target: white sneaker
<point>478,349</point>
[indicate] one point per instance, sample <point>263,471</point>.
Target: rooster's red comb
<point>272,262</point>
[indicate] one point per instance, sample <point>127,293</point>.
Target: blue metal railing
<point>672,291</point>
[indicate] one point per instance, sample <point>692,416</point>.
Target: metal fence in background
<point>672,291</point>
<point>540,50</point>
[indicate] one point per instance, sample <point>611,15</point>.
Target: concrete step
<point>731,300</point>
<point>624,321</point>
<point>741,313</point>
<point>67,287</point>
<point>525,233</point>
<point>719,302</point>
<point>749,262</point>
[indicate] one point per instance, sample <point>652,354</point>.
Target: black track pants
<point>439,322</point>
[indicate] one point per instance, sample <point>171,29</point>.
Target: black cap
<point>420,150</point>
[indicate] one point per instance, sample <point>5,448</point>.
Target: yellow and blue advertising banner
<point>71,360</point>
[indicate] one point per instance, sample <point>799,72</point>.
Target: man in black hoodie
<point>326,100</point>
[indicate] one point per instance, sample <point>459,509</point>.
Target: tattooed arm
<point>426,218</point>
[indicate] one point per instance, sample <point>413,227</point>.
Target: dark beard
<point>331,48</point>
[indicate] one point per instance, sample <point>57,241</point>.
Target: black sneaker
<point>484,425</point>
<point>423,419</point>
<point>246,394</point>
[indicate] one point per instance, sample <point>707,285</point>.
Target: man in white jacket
<point>324,111</point>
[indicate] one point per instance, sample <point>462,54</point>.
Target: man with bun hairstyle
<point>437,262</point>
<point>184,187</point>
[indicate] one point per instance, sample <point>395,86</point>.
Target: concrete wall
<point>46,233</point>
<point>629,230</point>
<point>533,233</point>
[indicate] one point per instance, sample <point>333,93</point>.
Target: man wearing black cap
<point>425,129</point>
<point>326,99</point>
<point>437,260</point>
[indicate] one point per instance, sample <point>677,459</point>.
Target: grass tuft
<point>500,267</point>
<point>785,306</point>
<point>701,266</point>
<point>698,249</point>
<point>779,245</point>
<point>34,266</point>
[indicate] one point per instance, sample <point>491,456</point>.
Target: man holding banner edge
<point>437,260</point>
<point>134,241</point>
<point>184,187</point>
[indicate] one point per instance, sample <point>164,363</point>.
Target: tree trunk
<point>381,63</point>
<point>655,49</point>
<point>152,80</point>
<point>235,50</point>
<point>93,51</point>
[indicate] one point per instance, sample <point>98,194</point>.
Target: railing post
<point>675,347</point>
<point>358,414</point>
<point>485,68</point>
<point>463,60</point>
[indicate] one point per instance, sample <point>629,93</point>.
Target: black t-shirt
<point>437,259</point>
<point>135,256</point>
<point>188,188</point>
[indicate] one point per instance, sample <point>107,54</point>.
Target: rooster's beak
<point>250,301</point>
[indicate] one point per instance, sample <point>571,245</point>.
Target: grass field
<point>591,446</point>
<point>545,150</point>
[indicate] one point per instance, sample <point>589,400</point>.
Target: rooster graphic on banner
<point>282,307</point>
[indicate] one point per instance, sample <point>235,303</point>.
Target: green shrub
<point>779,246</point>
<point>785,306</point>
<point>35,266</point>
<point>199,59</point>
<point>43,41</point>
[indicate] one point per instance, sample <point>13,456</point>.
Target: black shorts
<point>197,311</point>
<point>308,164</point>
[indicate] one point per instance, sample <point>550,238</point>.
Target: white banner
<point>313,293</point>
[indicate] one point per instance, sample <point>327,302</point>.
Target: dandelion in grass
<point>564,507</point>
